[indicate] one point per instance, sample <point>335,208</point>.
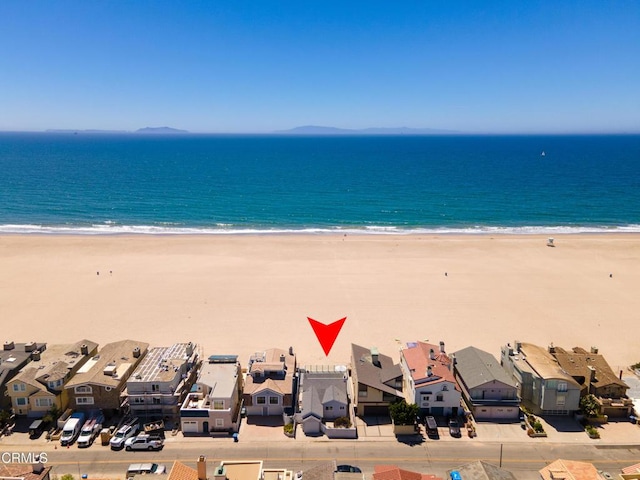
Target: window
<point>219,422</point>
<point>439,397</point>
<point>261,400</point>
<point>155,387</point>
<point>362,390</point>
<point>273,401</point>
<point>82,389</point>
<point>84,400</point>
<point>44,402</point>
<point>21,401</point>
<point>562,386</point>
<point>19,387</point>
<point>156,401</point>
<point>138,400</point>
<point>426,398</point>
<point>445,388</point>
<point>328,407</point>
<point>218,404</point>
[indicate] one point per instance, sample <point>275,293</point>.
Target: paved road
<point>524,460</point>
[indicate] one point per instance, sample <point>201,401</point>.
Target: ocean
<point>231,184</point>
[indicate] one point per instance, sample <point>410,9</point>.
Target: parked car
<point>124,432</point>
<point>348,469</point>
<point>143,442</point>
<point>36,428</point>
<point>89,432</point>
<point>454,428</point>
<point>145,468</point>
<point>432,426</point>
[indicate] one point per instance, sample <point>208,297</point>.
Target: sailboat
<point>543,154</point>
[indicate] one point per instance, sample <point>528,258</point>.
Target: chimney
<point>441,346</point>
<point>189,349</point>
<point>620,377</point>
<point>30,347</point>
<point>282,357</point>
<point>84,349</point>
<point>136,352</point>
<point>592,374</point>
<point>202,467</point>
<point>35,355</point>
<point>375,359</point>
<point>9,346</point>
<point>432,354</point>
<point>551,348</point>
<point>594,350</point>
<point>429,371</point>
<point>291,351</point>
<point>37,468</point>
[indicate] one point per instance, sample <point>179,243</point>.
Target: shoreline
<point>237,294</point>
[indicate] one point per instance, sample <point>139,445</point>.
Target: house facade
<point>324,396</point>
<point>543,385</point>
<point>213,404</point>
<point>99,383</point>
<point>158,386</point>
<point>594,375</point>
<point>39,386</point>
<point>486,388</point>
<point>13,358</point>
<point>377,381</point>
<point>429,379</point>
<point>268,388</point>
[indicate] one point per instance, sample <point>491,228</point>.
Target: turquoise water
<point>91,184</point>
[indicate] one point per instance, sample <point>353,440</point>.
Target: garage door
<point>190,426</point>
<point>376,410</point>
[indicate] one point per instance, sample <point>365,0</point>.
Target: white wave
<point>111,228</point>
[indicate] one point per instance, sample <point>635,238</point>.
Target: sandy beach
<point>242,294</point>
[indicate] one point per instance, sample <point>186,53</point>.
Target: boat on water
<point>543,154</point>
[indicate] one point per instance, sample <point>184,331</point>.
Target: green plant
<point>67,476</point>
<point>403,413</point>
<point>589,405</point>
<point>4,417</point>
<point>342,422</point>
<point>592,431</point>
<point>635,366</point>
<point>537,427</point>
<point>288,429</point>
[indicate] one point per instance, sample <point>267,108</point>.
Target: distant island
<point>163,130</point>
<point>319,130</point>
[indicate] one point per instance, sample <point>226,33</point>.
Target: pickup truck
<point>123,433</point>
<point>143,442</point>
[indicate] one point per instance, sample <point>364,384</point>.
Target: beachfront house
<point>268,387</point>
<point>99,383</point>
<point>486,388</point>
<point>158,386</point>
<point>324,397</point>
<point>393,472</point>
<point>13,358</point>
<point>543,385</point>
<point>39,386</point>
<point>429,379</point>
<point>481,470</point>
<point>570,469</point>
<point>595,376</point>
<point>376,379</point>
<point>213,404</point>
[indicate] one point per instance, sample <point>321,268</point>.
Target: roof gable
<point>477,368</point>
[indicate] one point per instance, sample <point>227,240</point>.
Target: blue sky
<point>258,66</point>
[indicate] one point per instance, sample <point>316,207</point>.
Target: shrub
<point>342,422</point>
<point>592,431</point>
<point>288,429</point>
<point>403,413</point>
<point>635,366</point>
<point>537,427</point>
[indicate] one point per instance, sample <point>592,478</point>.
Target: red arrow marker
<point>326,334</point>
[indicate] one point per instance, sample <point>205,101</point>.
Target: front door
<point>205,427</point>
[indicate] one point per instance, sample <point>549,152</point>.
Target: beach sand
<point>243,294</point>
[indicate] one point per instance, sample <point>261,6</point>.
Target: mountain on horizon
<point>321,130</point>
<point>160,130</point>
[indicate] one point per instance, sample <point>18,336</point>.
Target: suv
<point>143,442</point>
<point>124,432</point>
<point>454,428</point>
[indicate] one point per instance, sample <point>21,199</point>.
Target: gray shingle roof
<point>477,367</point>
<point>372,375</point>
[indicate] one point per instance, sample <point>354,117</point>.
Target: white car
<point>143,442</point>
<point>144,469</point>
<point>124,432</point>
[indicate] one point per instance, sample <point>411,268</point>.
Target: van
<point>432,426</point>
<point>71,429</point>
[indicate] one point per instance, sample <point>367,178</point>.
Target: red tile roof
<point>392,472</point>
